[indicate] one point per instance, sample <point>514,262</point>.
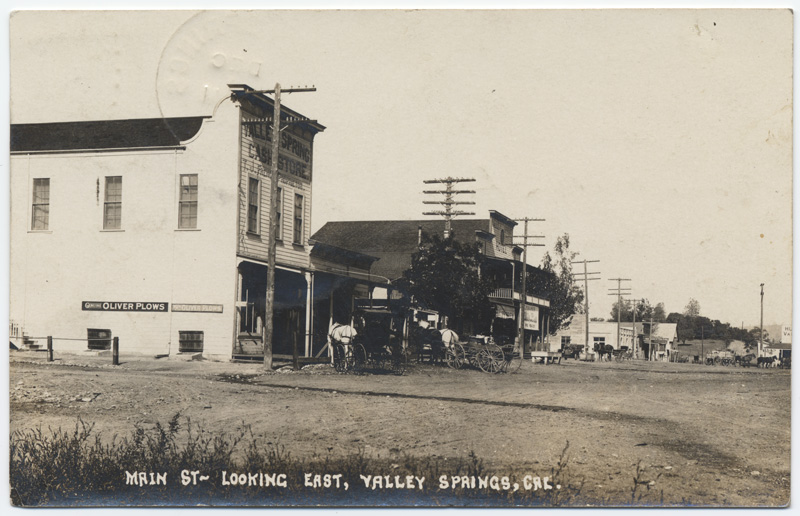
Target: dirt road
<point>699,435</point>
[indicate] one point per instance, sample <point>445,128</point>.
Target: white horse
<point>449,337</point>
<point>341,333</point>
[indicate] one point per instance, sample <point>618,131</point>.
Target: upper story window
<point>502,237</point>
<point>40,212</point>
<point>253,186</point>
<point>298,219</point>
<point>278,215</point>
<point>187,205</point>
<point>112,208</point>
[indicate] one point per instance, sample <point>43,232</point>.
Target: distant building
<point>639,339</point>
<point>600,333</point>
<point>662,341</point>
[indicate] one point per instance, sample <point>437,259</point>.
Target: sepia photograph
<point>400,258</point>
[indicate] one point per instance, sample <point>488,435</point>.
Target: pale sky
<point>661,141</point>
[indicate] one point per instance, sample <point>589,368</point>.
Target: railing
<point>507,293</point>
<point>50,339</point>
<point>502,293</point>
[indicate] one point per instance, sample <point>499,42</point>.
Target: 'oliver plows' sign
<point>123,306</point>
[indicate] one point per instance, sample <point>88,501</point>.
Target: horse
<point>766,361</point>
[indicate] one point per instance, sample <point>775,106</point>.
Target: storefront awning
<point>504,311</point>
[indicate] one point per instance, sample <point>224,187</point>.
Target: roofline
<point>360,255</point>
<point>503,218</point>
<point>96,151</point>
<point>105,120</point>
<point>241,89</point>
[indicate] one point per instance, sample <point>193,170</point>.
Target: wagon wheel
<point>512,359</point>
<point>498,358</point>
<point>483,360</point>
<point>455,356</point>
<point>717,360</point>
<point>339,362</point>
<point>378,360</point>
<point>398,360</point>
<point>490,359</point>
<point>726,361</point>
<point>357,359</point>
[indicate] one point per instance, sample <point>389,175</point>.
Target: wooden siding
<point>498,249</point>
<point>253,165</point>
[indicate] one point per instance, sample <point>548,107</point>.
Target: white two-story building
<point>155,231</point>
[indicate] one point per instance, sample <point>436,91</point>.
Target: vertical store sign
<point>294,155</point>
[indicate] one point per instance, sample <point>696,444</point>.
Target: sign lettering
<point>194,307</point>
<point>294,155</point>
<point>124,306</point>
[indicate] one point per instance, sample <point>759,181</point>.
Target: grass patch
<point>156,466</point>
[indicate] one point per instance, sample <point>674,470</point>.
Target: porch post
<point>309,310</point>
<point>330,325</point>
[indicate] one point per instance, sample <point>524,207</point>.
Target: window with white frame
<point>278,215</point>
<point>40,207</point>
<point>187,204</point>
<point>112,207</point>
<point>565,340</point>
<point>298,219</point>
<point>253,186</point>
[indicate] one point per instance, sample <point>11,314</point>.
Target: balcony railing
<point>507,293</point>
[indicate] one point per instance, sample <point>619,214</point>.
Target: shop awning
<point>504,311</point>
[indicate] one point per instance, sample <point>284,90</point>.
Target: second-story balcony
<point>513,295</point>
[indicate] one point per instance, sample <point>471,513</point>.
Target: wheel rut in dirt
<point>703,453</point>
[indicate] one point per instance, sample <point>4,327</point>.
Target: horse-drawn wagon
<point>720,357</point>
<point>483,352</point>
<point>374,341</point>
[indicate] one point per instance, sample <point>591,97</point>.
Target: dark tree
<point>684,328</point>
<point>444,277</point>
<point>659,313</point>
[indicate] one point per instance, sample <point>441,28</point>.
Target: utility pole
<point>635,338</point>
<point>524,295</point>
<point>619,292</point>
<point>652,357</point>
<point>448,202</point>
<point>586,279</point>
<point>761,327</point>
<point>703,344</point>
<point>273,201</point>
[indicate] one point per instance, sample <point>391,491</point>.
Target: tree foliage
<point>444,276</point>
<point>692,308</point>
<point>558,285</point>
<point>644,311</point>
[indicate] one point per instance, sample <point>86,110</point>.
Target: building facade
<point>395,241</point>
<point>656,345</point>
<point>155,231</point>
